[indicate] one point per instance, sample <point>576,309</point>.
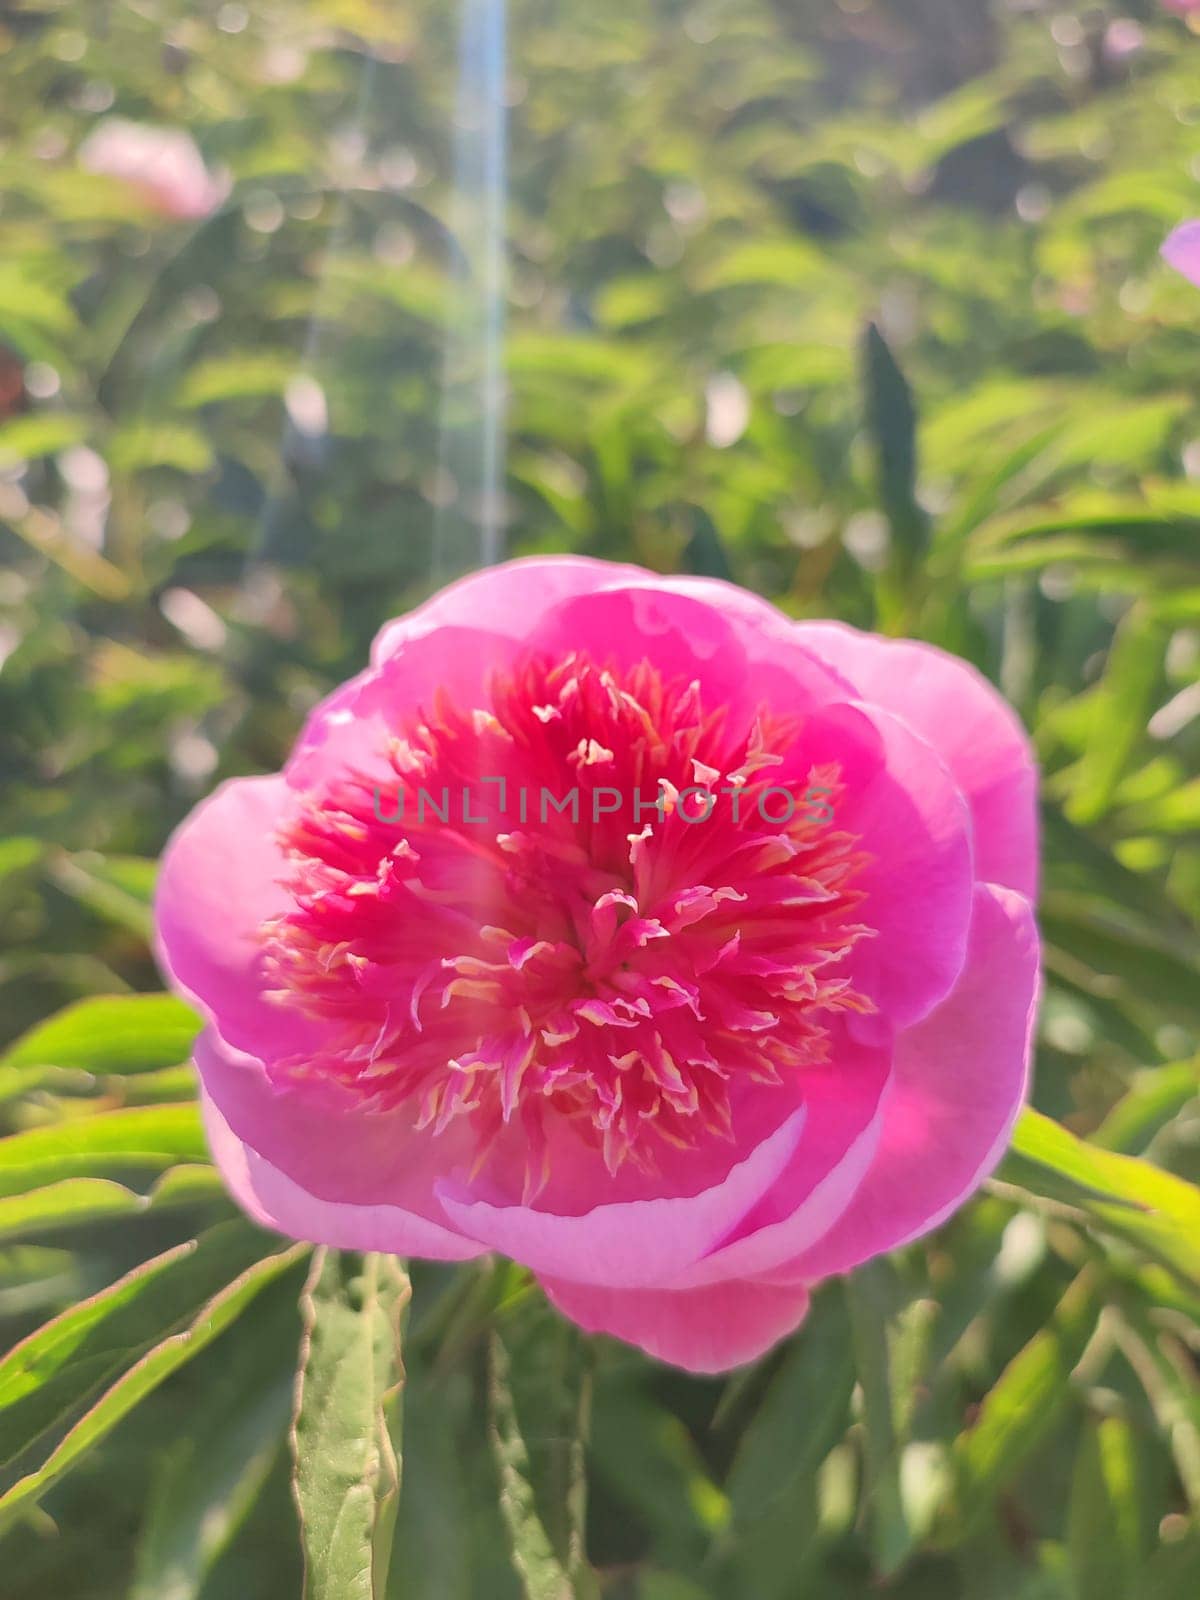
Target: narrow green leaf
<point>345,1430</point>
<point>1121,706</point>
<point>75,1201</point>
<point>1104,1524</point>
<point>541,1381</point>
<point>802,1415</point>
<point>664,1484</point>
<point>1153,1209</point>
<point>892,425</point>
<point>145,1139</point>
<point>213,1473</point>
<point>147,1373</point>
<point>543,1575</point>
<point>1020,1410</point>
<point>1155,1099</point>
<point>18,854</point>
<point>111,1034</point>
<point>870,1306</point>
<point>63,1363</point>
<point>115,888</point>
<point>1170,1573</point>
<point>772,1486</point>
<point>1149,969</point>
<point>705,553</point>
<point>65,1205</point>
<point>1166,1371</point>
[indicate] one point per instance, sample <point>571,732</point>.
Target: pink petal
<point>216,885</point>
<point>961,1077</point>
<point>507,600</point>
<point>914,826</point>
<point>737,665</point>
<point>351,728</point>
<point>315,1165</point>
<point>627,1244</point>
<point>976,733</point>
<point>845,1105</point>
<point>701,1330</point>
<point>1182,251</point>
<point>276,1201</point>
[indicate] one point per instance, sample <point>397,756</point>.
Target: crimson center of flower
<point>588,900</point>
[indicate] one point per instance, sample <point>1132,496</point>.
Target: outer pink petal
<point>1182,249</point>
<point>631,1243</point>
<point>904,806</point>
<point>277,1201</point>
<point>743,651</point>
<point>507,600</point>
<point>702,1330</point>
<point>976,733</point>
<point>960,1080</point>
<point>322,1168</point>
<point>738,666</point>
<point>217,884</point>
<point>350,730</point>
<point>845,1105</point>
<point>448,645</point>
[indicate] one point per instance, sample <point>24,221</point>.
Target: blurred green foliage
<point>857,303</point>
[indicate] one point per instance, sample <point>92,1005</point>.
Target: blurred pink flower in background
<point>1182,7</point>
<point>1123,39</point>
<point>682,1064</point>
<point>162,164</point>
<point>1182,250</point>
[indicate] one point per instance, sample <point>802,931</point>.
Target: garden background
<point>859,304</point>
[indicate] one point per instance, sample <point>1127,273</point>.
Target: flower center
<point>588,900</point>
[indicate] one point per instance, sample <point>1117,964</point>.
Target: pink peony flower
<point>1182,251</point>
<point>745,1001</point>
<point>162,164</point>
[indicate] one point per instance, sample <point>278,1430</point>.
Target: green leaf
<point>803,1413</point>
<point>345,1431</point>
<point>1166,1371</point>
<point>870,1304</point>
<point>150,1369</point>
<point>114,887</point>
<point>214,1473</point>
<point>540,1392</point>
<point>83,1200</point>
<point>146,1139</point>
<point>892,425</point>
<point>239,377</point>
<point>1020,1410</point>
<point>61,1364</point>
<point>1104,1526</point>
<point>114,1034</point>
<point>772,1482</point>
<point>1170,1573</point>
<point>705,553</point>
<point>542,1573</point>
<point>1144,967</point>
<point>1121,707</point>
<point>1156,1097</point>
<point>141,444</point>
<point>64,1205</point>
<point>45,433</point>
<point>1153,1209</point>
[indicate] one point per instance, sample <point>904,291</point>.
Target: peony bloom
<point>1182,251</point>
<point>623,926</point>
<point>162,164</point>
